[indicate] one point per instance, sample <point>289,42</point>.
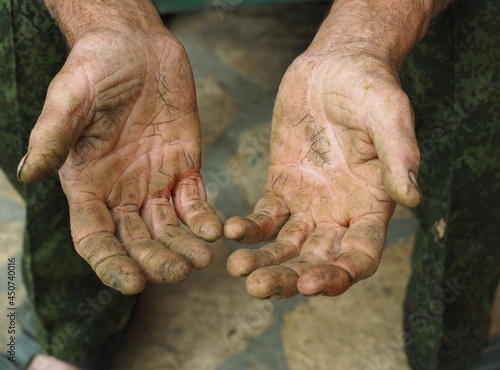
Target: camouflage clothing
<point>453,80</point>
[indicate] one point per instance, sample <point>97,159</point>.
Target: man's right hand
<point>121,125</point>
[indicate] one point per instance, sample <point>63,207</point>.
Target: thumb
<point>60,124</point>
<point>397,149</point>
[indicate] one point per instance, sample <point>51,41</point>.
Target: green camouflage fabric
<point>452,78</point>
<point>76,314</point>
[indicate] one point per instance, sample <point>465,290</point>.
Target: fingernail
<point>413,179</point>
<point>21,165</point>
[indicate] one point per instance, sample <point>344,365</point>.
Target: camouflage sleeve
<point>453,81</point>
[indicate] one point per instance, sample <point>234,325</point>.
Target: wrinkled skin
<point>121,122</point>
<point>342,148</point>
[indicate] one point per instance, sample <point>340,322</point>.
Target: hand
<point>121,125</point>
<point>343,150</point>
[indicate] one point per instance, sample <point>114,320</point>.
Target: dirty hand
<point>121,125</point>
<point>343,151</point>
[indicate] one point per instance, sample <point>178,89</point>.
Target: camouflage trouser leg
<point>452,78</point>
<point>76,314</point>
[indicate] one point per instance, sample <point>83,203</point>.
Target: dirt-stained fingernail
<point>413,179</point>
<point>21,165</point>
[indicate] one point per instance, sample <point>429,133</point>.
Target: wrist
<point>77,18</point>
<point>387,29</point>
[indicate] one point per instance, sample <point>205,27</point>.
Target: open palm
<point>121,125</point>
<point>343,150</point>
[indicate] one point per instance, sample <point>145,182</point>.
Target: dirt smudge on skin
<point>319,148</point>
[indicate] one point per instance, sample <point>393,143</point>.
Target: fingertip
<point>403,189</point>
<point>416,193</point>
<point>203,259</point>
<point>158,263</point>
<point>211,230</point>
<point>260,286</point>
<point>174,270</point>
<point>244,261</point>
<point>123,274</point>
<point>178,240</point>
<point>324,280</point>
<point>197,253</point>
<point>272,282</point>
<point>205,225</point>
<point>234,228</point>
<point>131,285</point>
<point>37,166</point>
<point>411,199</point>
<point>234,263</point>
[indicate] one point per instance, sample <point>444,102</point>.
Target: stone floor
<point>209,322</point>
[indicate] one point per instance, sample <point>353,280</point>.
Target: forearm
<point>78,17</point>
<point>389,28</point>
